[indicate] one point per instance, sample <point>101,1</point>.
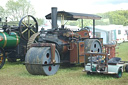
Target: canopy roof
<point>74,16</point>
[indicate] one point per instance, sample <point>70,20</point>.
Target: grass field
<point>16,74</point>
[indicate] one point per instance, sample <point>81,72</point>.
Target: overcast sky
<point>43,7</point>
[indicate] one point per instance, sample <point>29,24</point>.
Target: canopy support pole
<point>93,28</point>
<point>82,23</point>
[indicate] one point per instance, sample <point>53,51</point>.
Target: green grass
<point>16,74</point>
<point>123,51</point>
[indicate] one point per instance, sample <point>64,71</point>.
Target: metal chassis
<point>121,64</point>
<point>96,54</point>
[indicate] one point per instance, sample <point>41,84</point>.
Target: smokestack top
<point>54,7</point>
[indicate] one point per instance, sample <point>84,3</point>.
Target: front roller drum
<point>38,60</point>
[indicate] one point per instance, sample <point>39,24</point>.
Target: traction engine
<point>13,39</point>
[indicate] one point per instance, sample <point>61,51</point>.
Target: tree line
<point>16,9</point>
<point>118,17</point>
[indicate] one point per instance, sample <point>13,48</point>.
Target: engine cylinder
<point>10,40</point>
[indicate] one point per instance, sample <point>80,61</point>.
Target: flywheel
<point>28,26</point>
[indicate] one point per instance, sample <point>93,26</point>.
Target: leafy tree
<point>72,23</point>
<point>2,12</point>
<point>79,23</point>
<point>102,22</point>
<point>118,17</point>
<point>126,23</point>
<point>40,21</point>
<point>19,8</point>
<point>87,22</point>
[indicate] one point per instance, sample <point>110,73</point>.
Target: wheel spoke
<point>28,34</point>
<point>28,20</point>
<point>25,24</point>
<point>24,31</point>
<point>32,31</point>
<point>33,24</point>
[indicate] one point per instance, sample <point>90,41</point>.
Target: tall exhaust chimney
<point>54,17</point>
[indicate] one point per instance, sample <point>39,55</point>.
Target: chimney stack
<point>54,17</point>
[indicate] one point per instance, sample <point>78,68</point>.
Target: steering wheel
<point>27,27</point>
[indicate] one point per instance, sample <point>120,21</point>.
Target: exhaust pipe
<point>54,17</point>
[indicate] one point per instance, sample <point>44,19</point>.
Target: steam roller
<point>48,49</point>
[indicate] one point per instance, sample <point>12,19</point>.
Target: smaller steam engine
<point>49,48</point>
<point>13,39</point>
